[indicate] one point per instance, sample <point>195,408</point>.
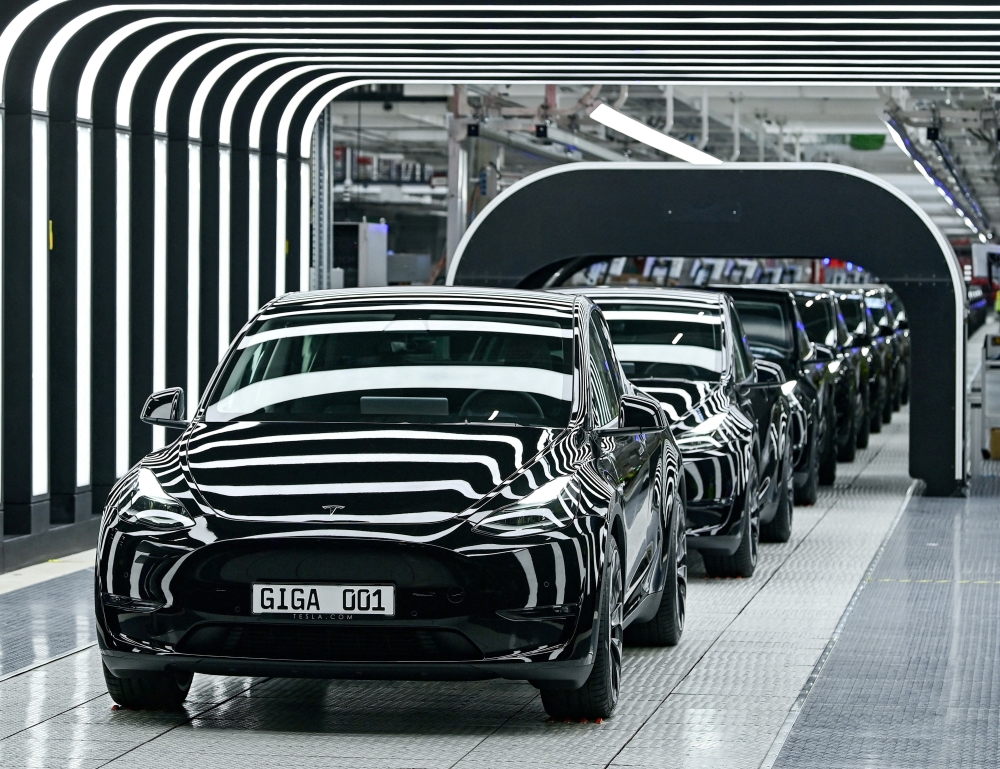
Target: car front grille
<point>329,643</point>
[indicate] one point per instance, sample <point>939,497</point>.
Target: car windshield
<point>880,312</point>
<point>406,365</point>
<point>767,326</point>
<point>853,310</point>
<point>820,325</point>
<point>676,341</point>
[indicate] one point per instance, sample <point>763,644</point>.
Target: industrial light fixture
<point>623,124</point>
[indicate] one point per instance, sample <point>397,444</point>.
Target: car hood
<point>322,472</point>
<point>686,402</point>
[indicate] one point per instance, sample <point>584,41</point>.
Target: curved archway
<point>808,210</point>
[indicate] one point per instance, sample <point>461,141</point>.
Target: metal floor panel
<point>717,700</point>
<point>914,680</point>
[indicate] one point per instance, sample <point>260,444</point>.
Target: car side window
<point>842,332</point>
<point>742,357</point>
<point>602,387</point>
<point>608,349</point>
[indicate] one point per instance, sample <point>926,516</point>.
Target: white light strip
<point>623,124</point>
<point>122,305</point>
<point>281,228</point>
<point>305,241</point>
<point>159,275</point>
<point>39,307</point>
<point>194,277</point>
<point>253,240</point>
<point>84,174</point>
<point>225,179</point>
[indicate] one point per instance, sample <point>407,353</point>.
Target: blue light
<point>826,260</point>
<point>850,266</point>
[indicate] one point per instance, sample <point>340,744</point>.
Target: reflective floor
<point>719,699</point>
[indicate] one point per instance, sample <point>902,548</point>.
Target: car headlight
<point>152,506</point>
<point>547,508</point>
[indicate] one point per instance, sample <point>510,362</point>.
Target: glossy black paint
<point>827,330</point>
<point>901,332</point>
<point>393,503</point>
<point>811,400</point>
<point>744,459</point>
<point>870,348</point>
<point>894,344</point>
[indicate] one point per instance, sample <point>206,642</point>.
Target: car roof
<point>710,299</point>
<point>545,302</point>
<point>755,288</point>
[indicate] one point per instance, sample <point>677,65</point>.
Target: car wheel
<point>897,398</point>
<point>149,691</point>
<point>780,527</point>
<point>598,697</point>
<point>828,460</point>
<point>887,406</point>
<point>846,452</point>
<point>877,407</point>
<point>743,562</point>
<point>864,432</point>
<point>904,397</point>
<point>807,493</point>
<point>667,627</point>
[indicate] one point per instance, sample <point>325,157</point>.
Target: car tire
<point>149,691</point>
<point>897,398</point>
<point>846,452</point>
<point>887,406</point>
<point>904,396</point>
<point>876,423</point>
<point>743,562</point>
<point>828,458</point>
<point>598,696</point>
<point>667,627</point>
<point>808,492</point>
<point>779,528</point>
<point>864,432</point>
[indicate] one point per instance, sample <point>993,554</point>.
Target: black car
<point>776,334</point>
<point>901,332</point>
<point>889,346</point>
<point>865,342</point>
<point>732,422</point>
<point>426,484</point>
<point>827,330</point>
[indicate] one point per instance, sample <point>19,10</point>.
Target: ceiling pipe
<point>704,119</point>
<point>668,91</point>
<point>622,98</point>
<point>736,127</point>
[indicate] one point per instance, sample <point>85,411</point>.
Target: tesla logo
<point>331,509</point>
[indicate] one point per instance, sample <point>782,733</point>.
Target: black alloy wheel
<point>828,458</point>
<point>598,696</point>
<point>743,562</point>
<point>779,529</point>
<point>864,432</point>
<point>667,627</point>
<point>149,691</point>
<point>807,493</point>
<point>876,410</point>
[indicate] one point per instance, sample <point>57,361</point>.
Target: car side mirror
<point>638,414</point>
<point>165,408</point>
<point>902,324</point>
<point>824,354</point>
<point>768,373</point>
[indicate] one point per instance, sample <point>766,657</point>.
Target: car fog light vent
<point>127,603</point>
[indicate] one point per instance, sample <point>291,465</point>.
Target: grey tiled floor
<point>717,700</point>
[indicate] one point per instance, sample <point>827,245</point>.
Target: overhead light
<point>623,124</point>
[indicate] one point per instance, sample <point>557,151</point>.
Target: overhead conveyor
<point>155,161</point>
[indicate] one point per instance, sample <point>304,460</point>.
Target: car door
<point>760,407</point>
<point>625,459</point>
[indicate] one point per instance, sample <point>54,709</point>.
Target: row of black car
<point>460,483</point>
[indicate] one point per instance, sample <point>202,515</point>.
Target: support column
<point>458,183</point>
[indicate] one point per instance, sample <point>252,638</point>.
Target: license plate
<point>324,599</point>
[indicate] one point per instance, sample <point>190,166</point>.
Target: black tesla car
<point>827,330</point>
<point>901,332</point>
<point>426,484</point>
<point>729,415</point>
<point>865,343</point>
<point>889,343</point>
<point>776,334</point>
